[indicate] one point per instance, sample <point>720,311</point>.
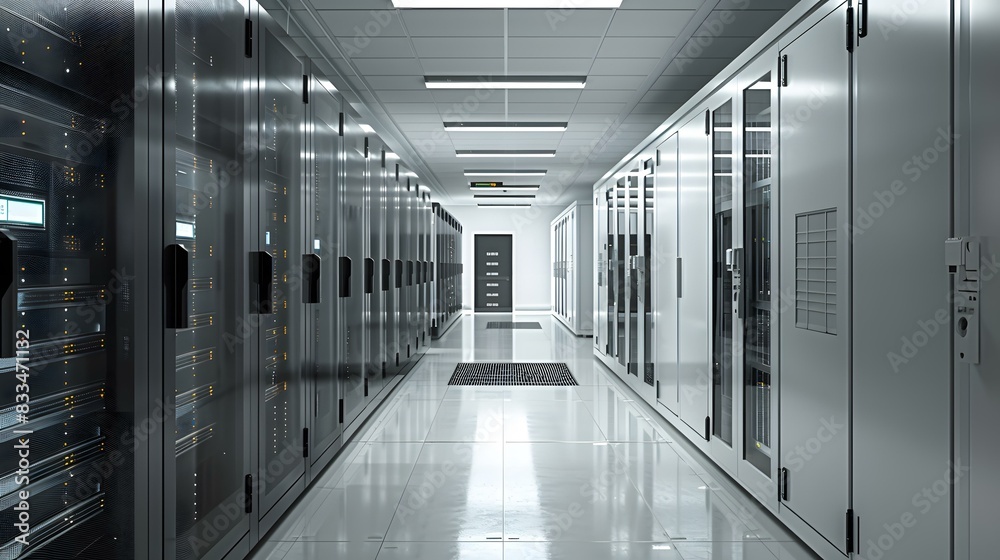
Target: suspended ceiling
<point>642,62</point>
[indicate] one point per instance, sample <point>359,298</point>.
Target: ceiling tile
<point>599,108</point>
<point>630,83</point>
<point>741,23</point>
<point>681,66</point>
<point>359,23</point>
<point>564,66</point>
<point>462,66</point>
<point>626,47</point>
<point>389,66</point>
<point>544,96</point>
<point>649,23</point>
<point>383,47</point>
<point>691,83</point>
<point>458,47</point>
<point>624,66</point>
<point>553,47</point>
<point>453,23</point>
<point>556,23</point>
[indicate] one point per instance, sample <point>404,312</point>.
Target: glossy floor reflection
<point>521,472</point>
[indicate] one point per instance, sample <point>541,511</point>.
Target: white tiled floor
<point>521,472</point>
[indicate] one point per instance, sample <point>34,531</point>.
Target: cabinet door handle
<point>862,19</point>
<point>311,270</point>
<point>369,275</point>
<point>8,302</point>
<point>345,277</point>
<point>175,285</point>
<point>399,273</point>
<point>264,273</point>
<point>386,274</point>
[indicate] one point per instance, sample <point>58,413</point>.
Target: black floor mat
<point>512,374</point>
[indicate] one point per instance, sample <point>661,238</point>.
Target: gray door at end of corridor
<point>494,258</point>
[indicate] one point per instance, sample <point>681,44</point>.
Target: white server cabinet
<point>573,268</point>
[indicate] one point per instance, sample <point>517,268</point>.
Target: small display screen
<point>22,211</point>
<point>185,230</point>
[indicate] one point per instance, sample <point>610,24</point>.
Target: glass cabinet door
<point>72,199</point>
<point>757,123</point>
<point>621,256</point>
<point>723,260</point>
<point>204,270</point>
<point>632,331</point>
<point>280,244</point>
<point>323,311</point>
<point>646,276</point>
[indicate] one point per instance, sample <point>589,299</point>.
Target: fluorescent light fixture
<point>327,84</point>
<point>368,129</point>
<point>505,82</point>
<point>523,188</point>
<point>500,4</point>
<point>391,155</point>
<point>505,206</point>
<point>505,172</point>
<point>503,196</point>
<point>505,126</point>
<point>505,153</point>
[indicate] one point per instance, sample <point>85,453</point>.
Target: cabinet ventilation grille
<point>816,271</point>
<point>506,325</point>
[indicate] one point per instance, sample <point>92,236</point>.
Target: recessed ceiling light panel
<point>505,126</point>
<point>505,172</point>
<point>505,153</point>
<point>505,82</point>
<point>505,206</point>
<point>367,128</point>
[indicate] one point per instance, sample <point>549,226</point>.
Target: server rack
<point>320,273</point>
<point>572,281</point>
<point>391,270</point>
<point>206,224</point>
<point>74,279</point>
<point>353,350</point>
<point>445,271</point>
<point>771,311</point>
<point>374,250</point>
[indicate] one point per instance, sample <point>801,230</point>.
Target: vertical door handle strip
<point>862,19</point>
<point>8,302</point>
<point>175,284</point>
<point>369,275</point>
<point>311,270</point>
<point>345,277</point>
<point>264,264</point>
<point>386,274</point>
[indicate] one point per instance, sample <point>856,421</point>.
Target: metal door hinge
<point>962,256</point>
<point>248,493</point>
<point>783,70</point>
<point>305,442</point>
<point>708,122</point>
<point>248,39</point>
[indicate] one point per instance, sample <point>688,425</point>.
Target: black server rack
<point>320,272</point>
<point>375,242</point>
<point>392,274</point>
<point>278,245</point>
<point>70,278</point>
<point>206,365</point>
<point>352,271</point>
<point>446,274</point>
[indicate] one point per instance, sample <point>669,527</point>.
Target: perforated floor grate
<point>512,374</point>
<point>516,325</point>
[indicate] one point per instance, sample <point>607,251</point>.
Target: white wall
<point>532,262</point>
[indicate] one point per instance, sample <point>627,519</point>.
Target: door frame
<point>513,269</point>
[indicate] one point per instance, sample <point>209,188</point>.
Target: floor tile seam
<point>413,469</point>
<point>641,494</point>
